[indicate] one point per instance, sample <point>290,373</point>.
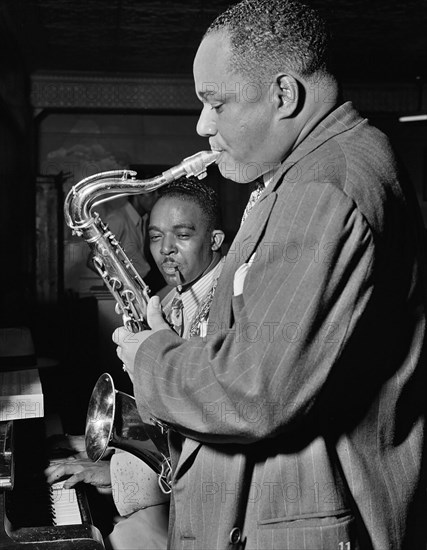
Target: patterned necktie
<point>254,196</point>
<point>176,317</point>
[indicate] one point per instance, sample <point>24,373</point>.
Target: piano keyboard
<point>34,515</point>
<point>40,504</point>
<point>65,506</point>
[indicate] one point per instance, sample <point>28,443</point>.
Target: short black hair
<point>269,36</point>
<point>193,190</point>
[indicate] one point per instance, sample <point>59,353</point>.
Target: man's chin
<point>170,280</point>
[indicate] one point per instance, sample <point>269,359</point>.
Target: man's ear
<point>287,94</point>
<point>217,238</point>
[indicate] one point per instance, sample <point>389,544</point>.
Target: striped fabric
<point>304,407</point>
<point>193,300</point>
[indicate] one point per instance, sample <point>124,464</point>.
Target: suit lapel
<point>240,251</point>
<point>189,447</point>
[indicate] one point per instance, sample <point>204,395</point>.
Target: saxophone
<point>125,284</point>
<point>119,275</point>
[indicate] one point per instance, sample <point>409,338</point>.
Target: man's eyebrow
<point>153,228</point>
<point>206,93</point>
<point>185,226</point>
<point>177,226</point>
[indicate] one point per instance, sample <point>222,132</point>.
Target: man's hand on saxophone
<point>128,342</point>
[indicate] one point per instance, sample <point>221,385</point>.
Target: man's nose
<point>168,245</point>
<point>206,125</point>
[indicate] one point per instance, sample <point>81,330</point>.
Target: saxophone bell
<point>113,421</point>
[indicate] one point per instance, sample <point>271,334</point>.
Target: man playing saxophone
<point>185,241</point>
<point>303,411</point>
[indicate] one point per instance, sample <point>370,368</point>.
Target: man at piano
<point>186,245</point>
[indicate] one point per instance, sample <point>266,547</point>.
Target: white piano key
<point>65,505</point>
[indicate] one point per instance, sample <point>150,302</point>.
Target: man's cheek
<point>156,255</point>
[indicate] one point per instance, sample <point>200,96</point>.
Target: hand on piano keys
<point>75,470</point>
<point>38,515</point>
<point>64,505</point>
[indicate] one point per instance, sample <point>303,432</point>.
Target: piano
<point>34,515</point>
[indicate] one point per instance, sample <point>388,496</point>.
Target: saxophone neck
<point>105,186</point>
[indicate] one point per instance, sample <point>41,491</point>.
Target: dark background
<point>375,39</point>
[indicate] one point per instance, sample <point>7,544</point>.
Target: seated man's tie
<point>176,316</point>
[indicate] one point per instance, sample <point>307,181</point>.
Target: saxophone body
<point>131,294</point>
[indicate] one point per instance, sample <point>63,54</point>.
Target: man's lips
<point>221,152</point>
<point>217,149</point>
<point>170,267</point>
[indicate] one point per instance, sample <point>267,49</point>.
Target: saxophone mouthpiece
<point>179,279</point>
<point>195,165</point>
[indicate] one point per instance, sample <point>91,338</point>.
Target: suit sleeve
<point>304,297</point>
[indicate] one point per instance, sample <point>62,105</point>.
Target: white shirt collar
<point>268,176</point>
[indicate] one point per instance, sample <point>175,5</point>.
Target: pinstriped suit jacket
<point>303,410</point>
